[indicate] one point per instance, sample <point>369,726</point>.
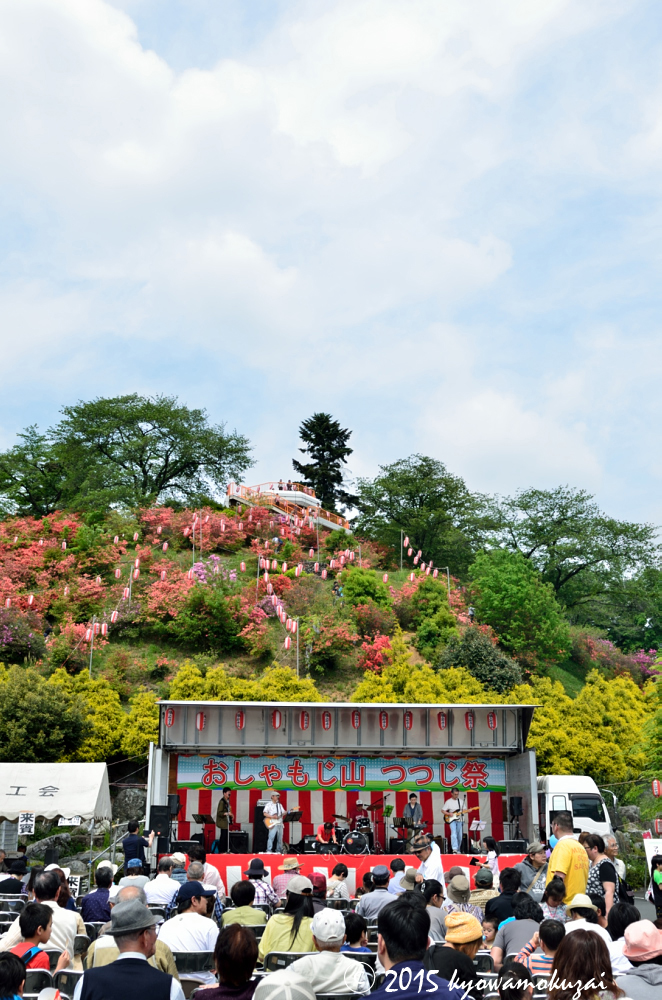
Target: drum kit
<point>360,840</point>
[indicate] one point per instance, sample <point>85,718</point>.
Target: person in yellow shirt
<point>290,930</point>
<point>568,860</point>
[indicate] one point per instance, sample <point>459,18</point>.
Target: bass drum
<point>355,843</point>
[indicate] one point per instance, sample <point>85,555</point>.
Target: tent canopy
<point>52,790</point>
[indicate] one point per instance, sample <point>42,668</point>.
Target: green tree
<point>585,555</point>
<point>103,711</point>
<point>418,496</point>
<point>511,597</point>
<point>142,724</point>
<point>326,445</point>
<point>38,720</point>
<point>362,585</point>
<point>32,476</point>
<point>476,653</point>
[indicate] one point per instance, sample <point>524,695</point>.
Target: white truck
<point>576,794</point>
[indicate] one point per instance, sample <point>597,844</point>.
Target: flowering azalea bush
<point>373,620</point>
<point>374,654</point>
<point>325,642</point>
<point>256,633</point>
<point>21,636</point>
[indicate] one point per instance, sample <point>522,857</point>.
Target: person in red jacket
<point>36,923</point>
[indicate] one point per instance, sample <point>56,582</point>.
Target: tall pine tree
<point>326,445</point>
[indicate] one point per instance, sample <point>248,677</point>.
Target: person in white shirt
<point>191,929</point>
<point>330,971</point>
<point>65,922</point>
<point>452,805</point>
<point>583,915</point>
<point>162,889</point>
<point>429,855</point>
<point>275,812</point>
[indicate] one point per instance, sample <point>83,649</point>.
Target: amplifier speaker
<point>182,846</point>
<point>238,842</point>
<point>309,843</point>
<point>51,856</point>
<point>516,806</point>
<point>512,846</point>
<point>159,820</point>
<point>162,845</point>
<point>200,837</point>
<point>260,832</point>
<point>397,846</point>
<point>174,805</point>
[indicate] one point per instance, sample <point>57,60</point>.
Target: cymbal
<point>338,816</point>
<point>372,808</point>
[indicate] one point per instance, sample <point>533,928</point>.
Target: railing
<point>293,507</point>
<point>272,487</point>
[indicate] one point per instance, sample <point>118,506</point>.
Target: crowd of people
<point>562,926</point>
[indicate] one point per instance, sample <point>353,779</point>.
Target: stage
<point>232,866</point>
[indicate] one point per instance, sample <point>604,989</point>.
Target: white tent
<point>52,790</point>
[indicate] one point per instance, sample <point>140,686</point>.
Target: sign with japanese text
<point>26,824</point>
<point>337,773</point>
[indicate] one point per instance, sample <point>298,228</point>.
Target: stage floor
<point>232,866</point>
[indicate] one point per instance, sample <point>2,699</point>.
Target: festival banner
<point>338,773</point>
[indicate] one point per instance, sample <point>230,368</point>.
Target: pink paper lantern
<point>164,547</point>
<point>351,557</point>
<point>435,574</point>
<point>66,591</point>
<point>284,567</point>
<point>266,575</point>
<point>104,629</point>
<point>136,574</point>
<point>316,567</point>
<point>98,579</point>
<point>295,626</point>
<point>297,571</point>
<point>136,563</point>
<point>241,525</point>
<point>288,642</point>
<point>385,578</point>
<point>324,574</point>
<point>415,560</point>
<point>64,545</point>
<point>8,602</point>
<point>187,532</point>
<point>116,539</point>
<point>274,564</point>
<point>31,600</point>
<point>274,600</point>
<point>412,577</point>
<point>311,552</point>
<point>118,573</point>
<point>135,536</point>
<point>88,635</point>
<point>125,594</point>
<point>406,540</point>
<point>270,588</point>
<point>242,567</point>
<point>114,616</point>
<point>163,574</point>
<point>41,541</point>
<point>410,552</point>
<point>288,624</point>
<point>159,529</point>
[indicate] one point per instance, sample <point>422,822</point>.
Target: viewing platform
<point>293,501</point>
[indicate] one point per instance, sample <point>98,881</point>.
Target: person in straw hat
<point>289,867</point>
<point>583,915</point>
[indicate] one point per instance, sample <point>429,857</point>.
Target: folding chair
<point>190,962</point>
<point>265,907</point>
<point>93,927</point>
<point>53,956</point>
<point>37,980</point>
<point>281,959</point>
<point>81,944</point>
<point>369,960</point>
<point>372,933</point>
<point>483,962</point>
<point>338,904</point>
<point>66,980</point>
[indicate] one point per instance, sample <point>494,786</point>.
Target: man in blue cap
<point>191,929</point>
<point>371,903</point>
<point>134,874</point>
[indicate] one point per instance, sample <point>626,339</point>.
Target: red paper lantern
<point>288,642</point>
<point>317,567</point>
<point>241,525</point>
<point>412,577</point>
<point>284,567</point>
<point>136,563</point>
<point>288,624</point>
<point>656,787</point>
<point>415,560</point>
<point>165,546</point>
<point>200,721</point>
<point>326,720</point>
<point>435,574</point>
<point>408,720</point>
<point>492,720</point>
<point>304,720</point>
<point>297,571</point>
<point>410,551</point>
<point>159,529</point>
<point>114,616</point>
<point>163,574</point>
<point>442,720</point>
<point>240,720</point>
<point>136,574</point>
<point>274,600</point>
<point>187,532</point>
<point>383,720</point>
<point>311,552</point>
<point>118,573</point>
<point>277,715</point>
<point>385,578</point>
<point>469,720</point>
<point>324,574</point>
<point>406,543</point>
<point>104,629</point>
<point>274,564</point>
<point>658,826</point>
<point>125,594</point>
<point>169,717</point>
<point>135,537</point>
<point>88,635</point>
<point>97,628</point>
<point>356,719</point>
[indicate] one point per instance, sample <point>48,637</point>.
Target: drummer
<point>326,834</point>
<point>360,813</point>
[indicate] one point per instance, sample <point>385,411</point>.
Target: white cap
<point>50,868</point>
<point>328,926</point>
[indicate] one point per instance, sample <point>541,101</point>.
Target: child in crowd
<point>553,907</point>
<point>356,933</point>
<point>548,937</point>
<point>489,930</point>
<point>36,923</point>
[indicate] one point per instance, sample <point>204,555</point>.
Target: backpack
<point>30,954</point>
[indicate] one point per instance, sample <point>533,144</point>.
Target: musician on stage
<point>223,819</point>
<point>413,812</point>
<point>453,805</point>
<point>274,812</point>
<point>326,834</point>
<point>360,812</point>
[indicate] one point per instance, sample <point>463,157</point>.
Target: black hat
<point>18,867</point>
<point>256,869</point>
<point>190,889</point>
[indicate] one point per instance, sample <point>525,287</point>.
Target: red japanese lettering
<point>427,772</point>
<point>238,780</point>
<point>443,780</point>
<point>214,773</point>
<point>401,773</point>
<point>348,775</point>
<point>296,772</point>
<point>271,773</point>
<point>323,766</point>
<point>474,774</point>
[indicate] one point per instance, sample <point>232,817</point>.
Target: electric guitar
<point>449,817</point>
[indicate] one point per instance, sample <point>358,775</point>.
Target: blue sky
<point>438,220</point>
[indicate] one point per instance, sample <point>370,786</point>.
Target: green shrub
<point>430,597</point>
<point>361,585</point>
<point>207,622</point>
<point>372,620</point>
<point>20,636</point>
<point>486,662</point>
<point>433,633</point>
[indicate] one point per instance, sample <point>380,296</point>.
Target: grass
<point>571,676</point>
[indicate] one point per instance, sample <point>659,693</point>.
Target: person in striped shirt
<point>258,875</point>
<point>548,937</point>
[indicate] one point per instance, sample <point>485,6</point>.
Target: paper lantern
<point>356,719</point>
<point>116,539</point>
<point>270,588</point>
<point>435,574</point>
<point>98,579</point>
<point>274,600</point>
<point>266,544</point>
<point>88,635</point>
<point>415,560</point>
<point>284,567</point>
<point>276,716</point>
<point>250,517</point>
<point>288,624</point>
<point>492,720</point>
<point>469,720</point>
<point>206,518</point>
<point>195,520</point>
<point>419,553</point>
<point>430,564</point>
<point>8,602</point>
<point>41,541</point>
<point>427,571</point>
<point>15,539</point>
<point>274,564</point>
<point>297,571</point>
<point>422,565</point>
<point>295,626</point>
<point>125,595</point>
<point>347,551</point>
<point>31,600</point>
<point>326,721</point>
<point>406,543</point>
<point>316,567</point>
<point>136,574</point>
<point>114,616</point>
<point>135,536</point>
<point>64,545</point>
<point>412,577</point>
<point>241,525</point>
<point>136,563</point>
<point>442,720</point>
<point>408,720</point>
<point>383,720</point>
<point>311,552</point>
<point>169,717</point>
<point>271,524</point>
<point>351,557</point>
<point>159,529</point>
<point>239,720</point>
<point>265,575</point>
<point>66,591</point>
<point>656,787</point>
<point>163,574</point>
<point>187,532</point>
<point>165,547</point>
<point>242,567</point>
<point>385,578</point>
<point>658,826</point>
<point>304,720</point>
<point>200,721</point>
<point>288,642</point>
<point>222,526</point>
<point>324,574</point>
<point>118,573</point>
<point>104,629</point>
<point>189,573</point>
<point>410,552</point>
<point>282,531</point>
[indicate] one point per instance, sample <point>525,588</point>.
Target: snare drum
<point>355,843</point>
<point>363,823</point>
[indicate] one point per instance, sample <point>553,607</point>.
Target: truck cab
<point>574,793</point>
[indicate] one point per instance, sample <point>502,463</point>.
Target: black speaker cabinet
<point>159,820</point>
<point>239,842</point>
<point>516,806</point>
<point>51,856</point>
<point>260,832</point>
<point>397,846</point>
<point>309,843</point>
<point>174,805</point>
<point>182,846</point>
<point>162,845</point>
<point>512,846</point>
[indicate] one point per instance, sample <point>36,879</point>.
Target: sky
<point>438,220</point>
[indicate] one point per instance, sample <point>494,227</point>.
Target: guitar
<point>270,821</point>
<point>449,817</point>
